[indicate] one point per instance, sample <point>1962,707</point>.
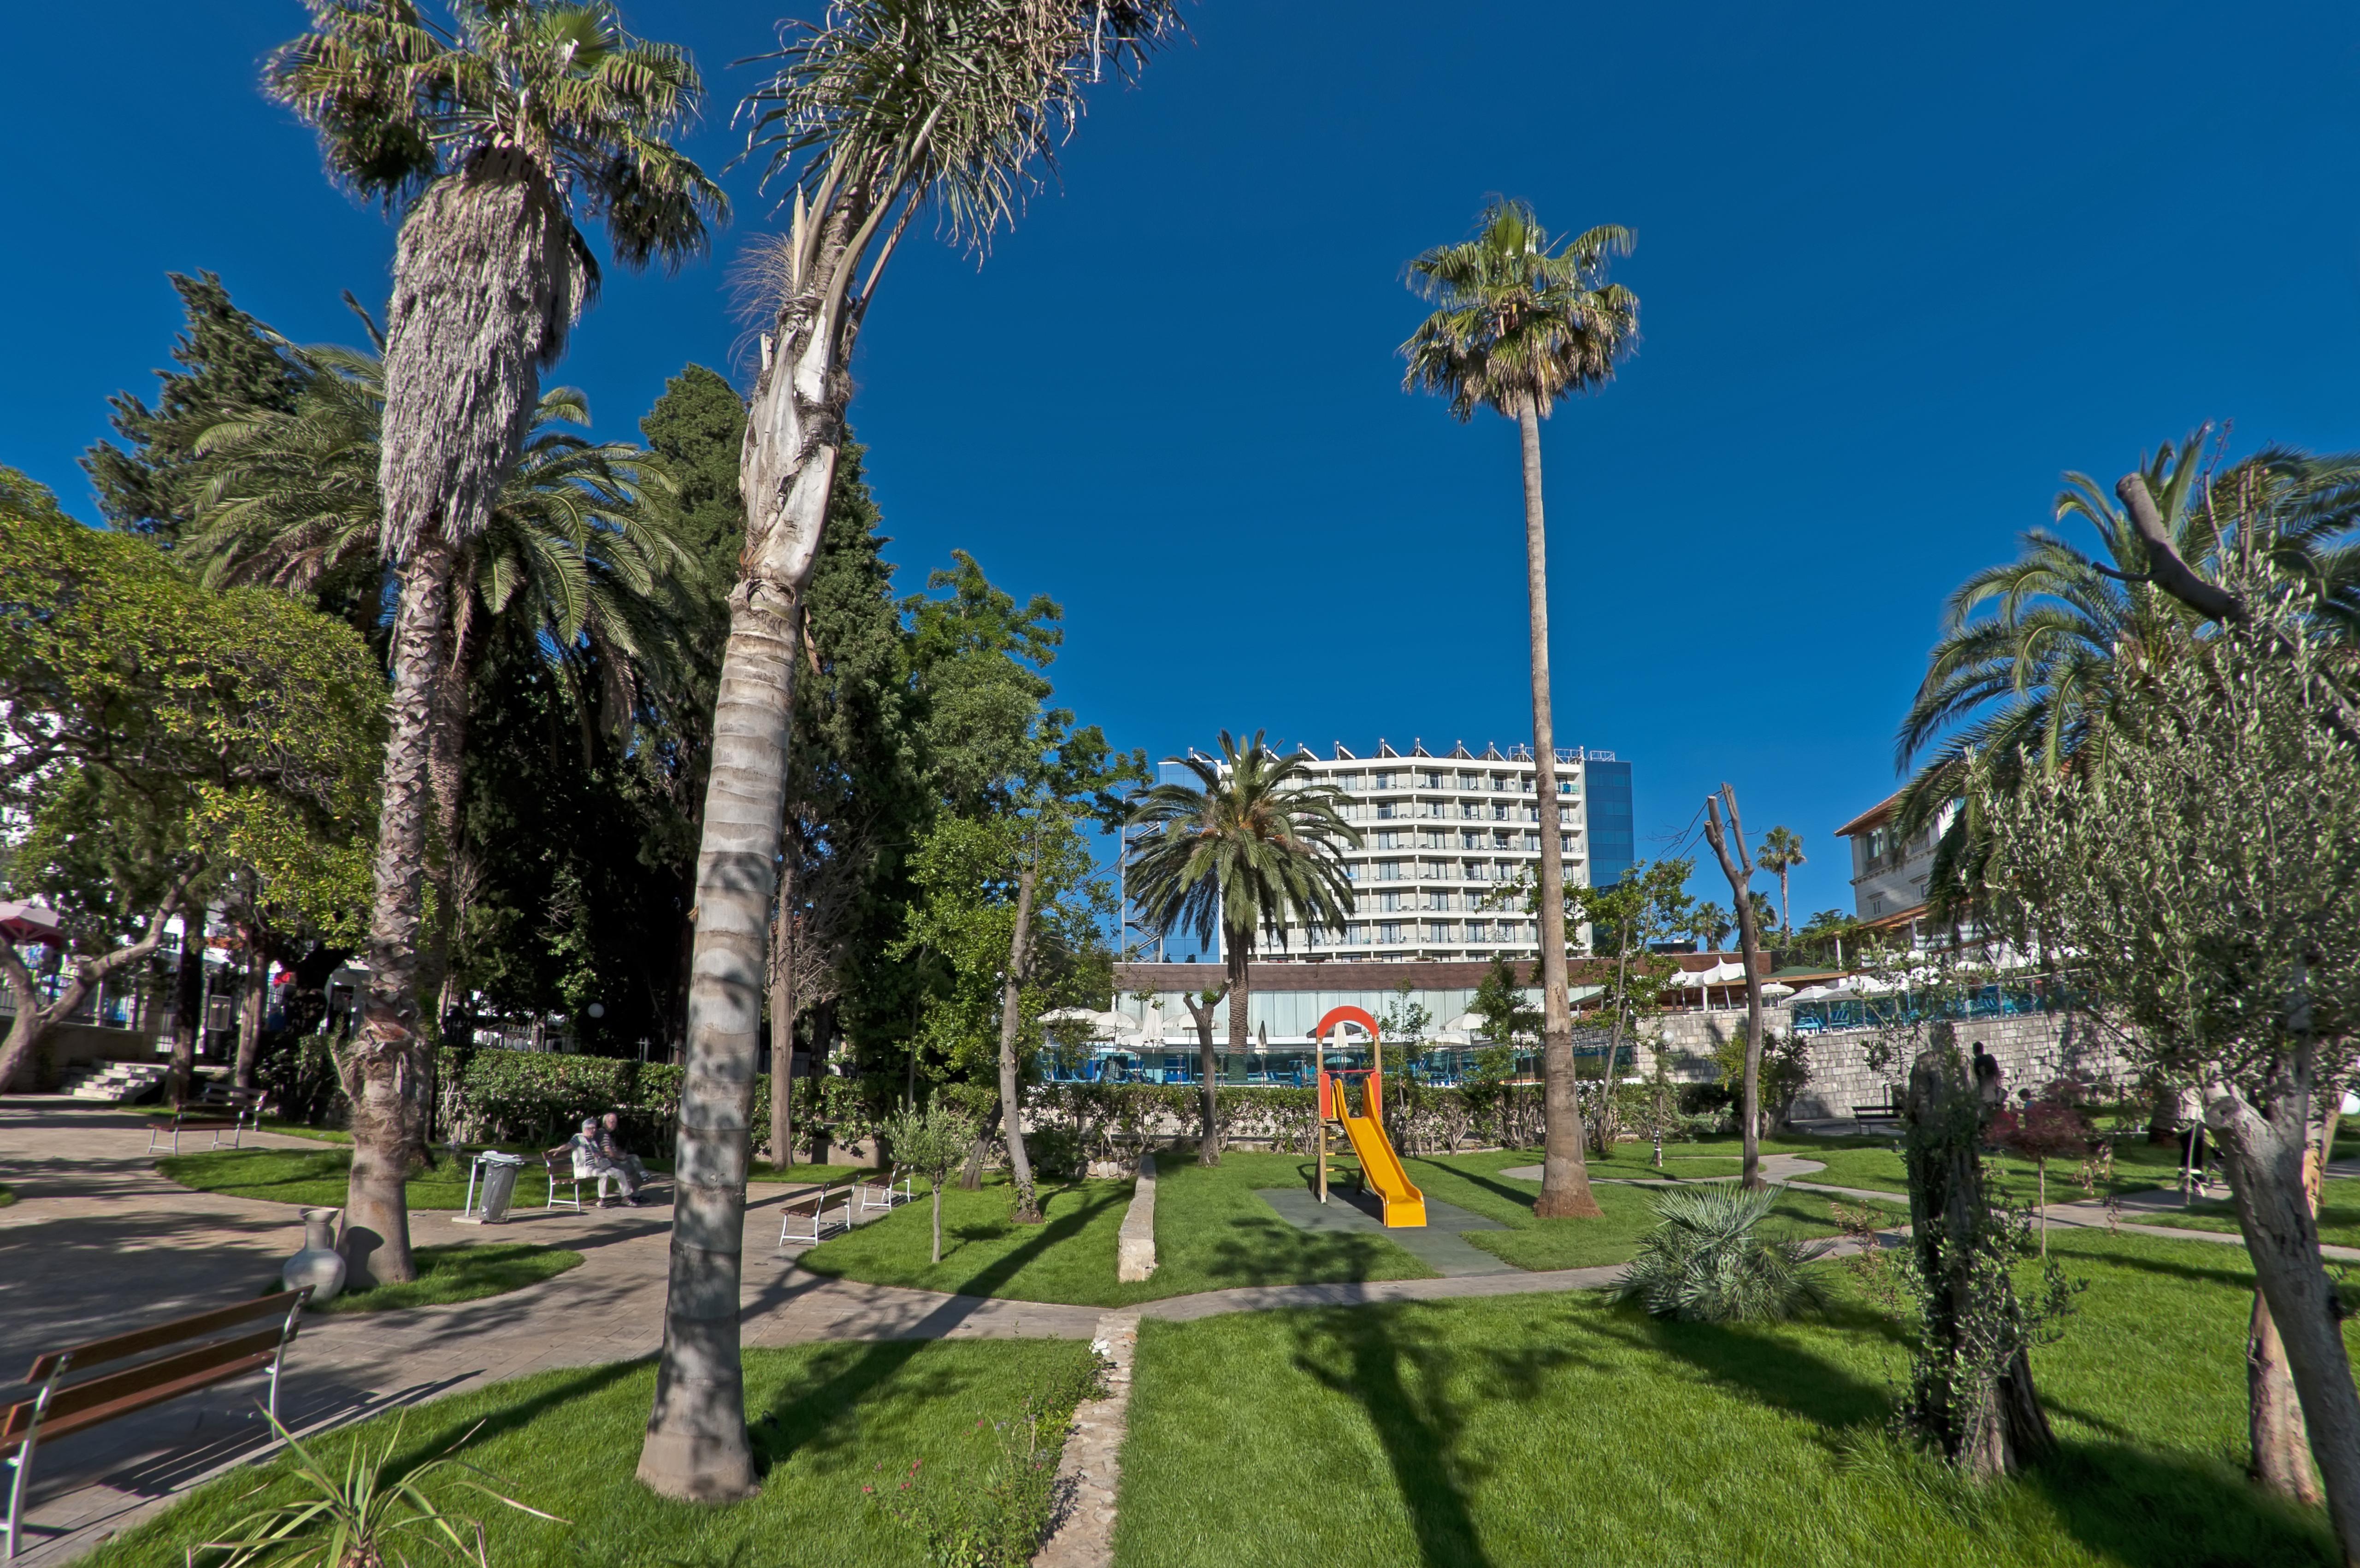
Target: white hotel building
<point>1444,838</point>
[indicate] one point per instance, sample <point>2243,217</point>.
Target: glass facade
<point>1613,843</point>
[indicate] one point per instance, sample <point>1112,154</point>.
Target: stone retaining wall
<point>2032,1049</point>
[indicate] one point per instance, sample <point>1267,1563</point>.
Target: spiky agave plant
<point>1705,1263</point>
<point>364,1518</point>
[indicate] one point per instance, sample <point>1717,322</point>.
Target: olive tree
<point>2201,879</point>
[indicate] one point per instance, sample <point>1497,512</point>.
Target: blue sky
<point>1899,266</point>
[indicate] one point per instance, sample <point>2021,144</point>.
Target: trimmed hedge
<point>485,1094</point>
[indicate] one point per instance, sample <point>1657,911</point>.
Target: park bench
<point>1884,1110</point>
<point>219,1109</point>
<point>894,1190</point>
<point>562,1167</point>
<point>808,1219</point>
<point>86,1385</point>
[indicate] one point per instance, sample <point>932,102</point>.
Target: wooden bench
<point>1885,1111</point>
<point>886,1194</point>
<point>809,1219</point>
<point>244,1109</point>
<point>86,1385</point>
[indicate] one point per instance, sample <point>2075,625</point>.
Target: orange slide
<point>1381,1167</point>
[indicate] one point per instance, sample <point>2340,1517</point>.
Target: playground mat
<point>1438,1246</point>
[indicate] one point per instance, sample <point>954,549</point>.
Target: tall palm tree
<point>880,109</point>
<point>493,135</point>
<point>1781,852</point>
<point>1257,844</point>
<point>1523,321</point>
<point>572,545</point>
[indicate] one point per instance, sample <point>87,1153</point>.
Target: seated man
<point>590,1159</point>
<point>610,1145</point>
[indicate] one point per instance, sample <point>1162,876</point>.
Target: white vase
<point>319,1265</point>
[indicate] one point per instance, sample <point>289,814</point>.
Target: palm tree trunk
<point>387,1075</point>
<point>446,766</point>
<point>1564,1176</point>
<point>1012,1109</point>
<point>696,1446</point>
<point>1209,1068</point>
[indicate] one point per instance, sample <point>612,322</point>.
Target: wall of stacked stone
<point>2032,1049</point>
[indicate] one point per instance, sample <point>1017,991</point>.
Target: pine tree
<point>226,360</point>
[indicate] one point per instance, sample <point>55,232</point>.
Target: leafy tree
<point>155,732</point>
<point>1499,1002</point>
<point>2201,875</point>
<point>577,548</point>
<point>1781,852</point>
<point>931,1140</point>
<point>875,111</point>
<point>491,136</point>
<point>1010,904</point>
<point>1255,845</point>
<point>226,361</point>
<point>1523,320</point>
<point>1626,921</point>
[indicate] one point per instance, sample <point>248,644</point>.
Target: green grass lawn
<point>463,1272</point>
<point>301,1129</point>
<point>1211,1232</point>
<point>827,1420</point>
<point>1565,1430</point>
<point>1474,1182</point>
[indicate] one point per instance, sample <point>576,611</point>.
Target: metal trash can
<point>498,1174</point>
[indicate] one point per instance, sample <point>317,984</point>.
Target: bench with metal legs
<point>888,1193</point>
<point>810,1219</point>
<point>66,1391</point>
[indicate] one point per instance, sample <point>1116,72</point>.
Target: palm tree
<point>492,134</point>
<point>1781,852</point>
<point>573,544</point>
<point>1255,846</point>
<point>1709,922</point>
<point>1523,321</point>
<point>882,109</point>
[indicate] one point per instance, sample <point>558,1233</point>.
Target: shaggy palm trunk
<point>1564,1176</point>
<point>2263,1151</point>
<point>1011,1016</point>
<point>250,1004</point>
<point>696,1445</point>
<point>387,1073</point>
<point>446,766</point>
<point>486,283</point>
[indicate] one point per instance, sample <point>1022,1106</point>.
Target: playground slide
<point>1381,1167</point>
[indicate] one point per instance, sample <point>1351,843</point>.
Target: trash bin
<point>500,1179</point>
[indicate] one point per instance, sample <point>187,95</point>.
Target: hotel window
<point>1388,870</point>
<point>1384,809</point>
<point>1468,781</point>
<point>1499,812</point>
<point>1533,842</point>
<point>1565,842</point>
<point>1470,841</point>
<point>1499,841</point>
<point>1389,900</point>
<point>1433,781</point>
<point>1438,931</point>
<point>1389,841</point>
<point>1389,930</point>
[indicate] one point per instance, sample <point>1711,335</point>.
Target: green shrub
<point>1703,1263</point>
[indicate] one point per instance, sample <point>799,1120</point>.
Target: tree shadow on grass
<point>1272,1252</point>
<point>2145,1509</point>
<point>1762,1366</point>
<point>2235,1279</point>
<point>479,1429</point>
<point>1375,1357</point>
<point>1522,1200</point>
<point>819,1410</point>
